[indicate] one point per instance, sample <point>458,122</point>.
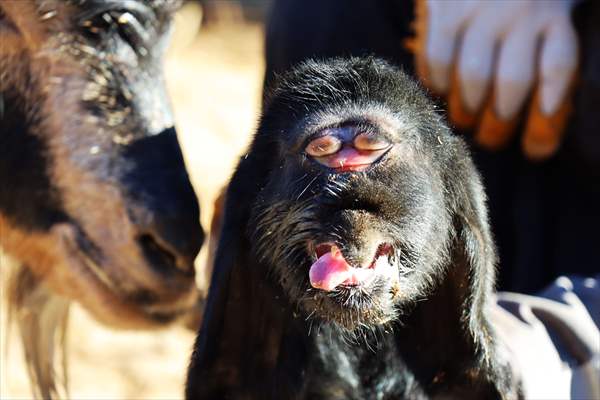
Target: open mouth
<point>331,270</point>
<point>88,264</point>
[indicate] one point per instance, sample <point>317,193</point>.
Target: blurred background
<point>214,72</point>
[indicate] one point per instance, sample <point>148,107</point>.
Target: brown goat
<point>95,202</point>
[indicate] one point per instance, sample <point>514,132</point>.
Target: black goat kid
<point>355,260</point>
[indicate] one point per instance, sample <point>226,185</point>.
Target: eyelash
<point>122,23</point>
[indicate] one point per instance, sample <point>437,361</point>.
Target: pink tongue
<point>331,270</point>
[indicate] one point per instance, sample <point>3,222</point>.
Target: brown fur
<point>41,318</point>
<point>216,226</point>
<point>57,73</point>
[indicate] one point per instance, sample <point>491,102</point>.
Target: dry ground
<point>215,79</point>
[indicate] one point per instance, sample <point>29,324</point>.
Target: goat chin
<point>40,317</point>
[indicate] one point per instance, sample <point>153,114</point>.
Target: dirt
<point>215,81</point>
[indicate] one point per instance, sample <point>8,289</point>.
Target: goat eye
<point>133,32</point>
<point>370,141</point>
<point>124,24</point>
<point>323,146</point>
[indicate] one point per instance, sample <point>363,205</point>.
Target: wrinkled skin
<point>95,199</point>
<point>351,170</point>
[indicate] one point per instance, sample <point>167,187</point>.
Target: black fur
<point>172,197</point>
<point>23,159</point>
<point>267,334</point>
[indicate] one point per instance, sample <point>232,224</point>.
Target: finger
<point>552,106</point>
<point>441,43</point>
<point>476,60</point>
<point>437,25</point>
<point>515,73</point>
<point>543,133</point>
<point>494,133</point>
<point>512,83</point>
<point>559,59</point>
<point>458,114</point>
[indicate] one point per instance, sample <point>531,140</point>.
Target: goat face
<point>352,216</point>
<point>95,198</point>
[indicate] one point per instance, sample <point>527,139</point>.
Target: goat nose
<point>164,207</point>
<point>171,241</point>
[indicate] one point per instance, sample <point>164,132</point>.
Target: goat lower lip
<point>78,245</point>
<point>86,260</point>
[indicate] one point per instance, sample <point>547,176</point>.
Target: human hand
<point>488,57</point>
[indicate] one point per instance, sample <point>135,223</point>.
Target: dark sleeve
<point>297,30</point>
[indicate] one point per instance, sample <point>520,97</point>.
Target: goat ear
<point>475,269</point>
<point>239,339</point>
<point>475,249</point>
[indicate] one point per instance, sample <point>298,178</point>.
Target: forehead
<point>157,12</point>
<point>158,5</point>
<point>161,8</point>
<point>374,114</point>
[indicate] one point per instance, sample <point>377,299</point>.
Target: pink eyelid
<point>353,154</point>
<point>330,144</point>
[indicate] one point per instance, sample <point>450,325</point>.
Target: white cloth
<point>553,339</point>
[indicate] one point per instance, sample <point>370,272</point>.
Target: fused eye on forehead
<point>348,148</point>
<point>331,140</point>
